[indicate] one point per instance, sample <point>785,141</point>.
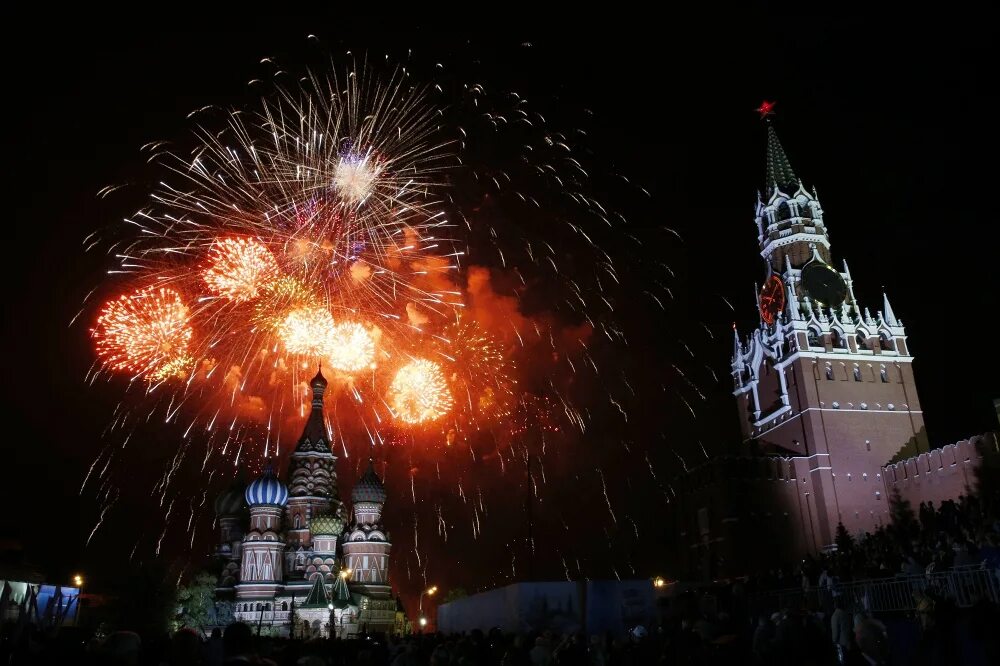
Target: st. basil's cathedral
<point>303,568</point>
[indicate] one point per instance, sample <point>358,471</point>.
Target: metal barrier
<point>963,586</point>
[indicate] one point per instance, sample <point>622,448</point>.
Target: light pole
<point>330,606</point>
<point>429,592</point>
<point>78,582</point>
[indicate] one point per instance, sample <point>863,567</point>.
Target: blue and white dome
<point>267,490</point>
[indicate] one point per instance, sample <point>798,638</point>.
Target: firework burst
<point>419,392</point>
<point>146,332</point>
<point>350,347</point>
<point>239,268</point>
<point>480,373</point>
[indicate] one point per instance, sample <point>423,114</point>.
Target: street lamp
<point>78,582</point>
<point>430,591</point>
<point>659,581</point>
<point>330,606</point>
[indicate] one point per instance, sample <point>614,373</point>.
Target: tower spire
<point>888,316</point>
<point>779,170</point>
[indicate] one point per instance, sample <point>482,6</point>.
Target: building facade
<point>291,560</point>
<point>828,409</point>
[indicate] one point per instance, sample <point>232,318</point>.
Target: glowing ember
<point>146,332</point>
<point>306,331</point>
<point>350,347</point>
<point>239,267</point>
<point>419,393</point>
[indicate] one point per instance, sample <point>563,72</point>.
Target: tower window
<point>814,339</point>
<point>284,605</point>
<point>857,374</point>
<point>868,445</point>
<point>884,375</point>
<point>886,342</point>
<point>838,341</point>
<point>784,212</point>
<point>861,341</point>
<point>829,371</point>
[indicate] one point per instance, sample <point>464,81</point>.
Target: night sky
<point>895,129</point>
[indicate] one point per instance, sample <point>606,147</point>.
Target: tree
<point>844,541</point>
<point>145,599</point>
<point>196,600</point>
<point>903,518</point>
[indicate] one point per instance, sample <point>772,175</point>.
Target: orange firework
<point>239,268</point>
<point>350,347</point>
<point>478,371</point>
<point>419,393</point>
<point>306,331</point>
<point>146,332</point>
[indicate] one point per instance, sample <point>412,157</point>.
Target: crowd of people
<point>742,621</point>
<point>955,536</point>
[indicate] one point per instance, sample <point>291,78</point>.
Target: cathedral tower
<point>366,544</point>
<point>261,571</point>
<point>821,381</point>
<point>312,473</point>
<point>366,552</point>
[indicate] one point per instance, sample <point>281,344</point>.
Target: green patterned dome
<point>326,524</point>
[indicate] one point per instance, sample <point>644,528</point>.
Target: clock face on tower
<point>772,299</point>
<point>823,284</point>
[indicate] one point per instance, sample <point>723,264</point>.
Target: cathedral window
<point>861,341</point>
<point>838,341</point>
<point>886,343</point>
<point>884,374</point>
<point>814,338</point>
<point>829,371</point>
<point>284,605</point>
<point>868,444</point>
<point>267,606</point>
<point>298,521</point>
<point>857,373</point>
<point>258,605</point>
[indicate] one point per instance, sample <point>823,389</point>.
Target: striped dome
<point>267,490</point>
<point>369,487</point>
<point>326,524</point>
<point>230,503</point>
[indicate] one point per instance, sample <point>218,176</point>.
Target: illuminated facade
<point>301,568</point>
<point>831,423</point>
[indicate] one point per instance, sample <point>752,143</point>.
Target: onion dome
<point>369,487</point>
<point>319,381</point>
<point>230,503</point>
<point>267,490</point>
<point>326,524</point>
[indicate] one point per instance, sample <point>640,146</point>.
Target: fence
<point>963,586</point>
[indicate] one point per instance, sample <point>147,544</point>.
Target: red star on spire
<point>765,109</point>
